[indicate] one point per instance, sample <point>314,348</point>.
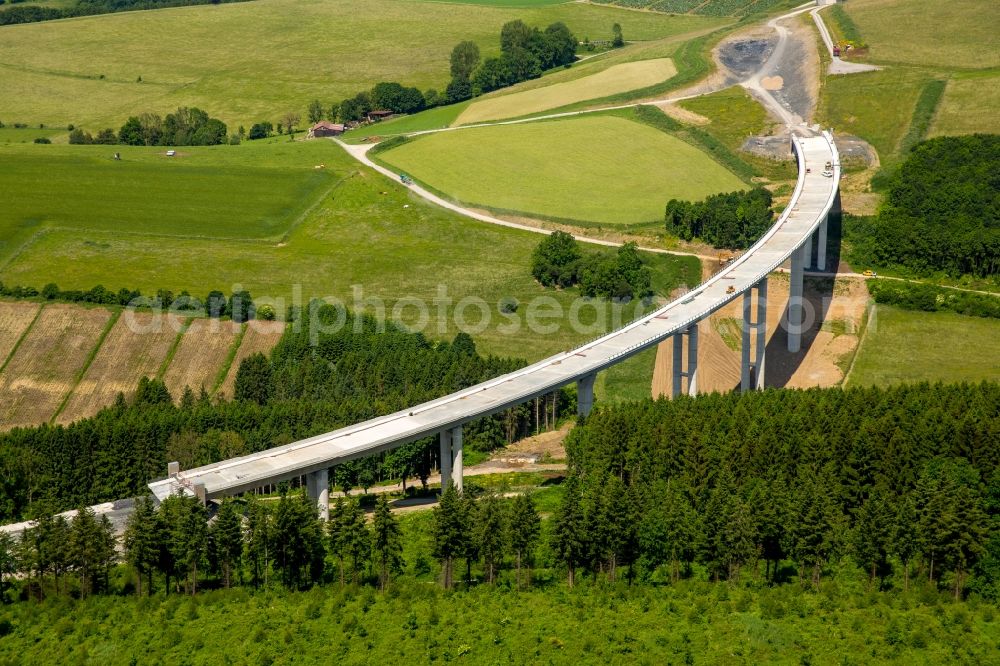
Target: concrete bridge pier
<point>451,458</point>
<point>795,310</point>
<point>585,394</point>
<point>691,333</point>
<point>821,245</point>
<point>318,488</point>
<point>752,375</point>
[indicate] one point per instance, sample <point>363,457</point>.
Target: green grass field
<point>877,106</point>
<point>970,105</point>
<point>366,231</point>
<point>9,135</point>
<point>616,79</point>
<point>253,191</point>
<point>907,346</point>
<point>598,169</point>
<point>956,34</point>
<point>253,61</point>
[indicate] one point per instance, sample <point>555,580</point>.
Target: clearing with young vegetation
<point>594,169</point>
<point>615,79</point>
<point>15,318</point>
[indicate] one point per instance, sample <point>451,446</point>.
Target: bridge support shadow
<point>817,293</point>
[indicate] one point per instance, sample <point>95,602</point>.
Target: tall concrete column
<point>445,438</point>
<point>318,488</point>
<point>745,344</point>
<point>821,245</point>
<point>675,388</point>
<point>692,372</point>
<point>761,334</point>
<point>794,322</point>
<point>456,457</point>
<point>585,394</point>
<point>807,252</point>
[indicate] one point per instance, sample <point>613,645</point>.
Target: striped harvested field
<point>48,361</point>
<point>15,318</point>
<point>135,347</point>
<point>260,336</point>
<point>199,358</point>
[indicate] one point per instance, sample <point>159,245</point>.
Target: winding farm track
<point>811,201</point>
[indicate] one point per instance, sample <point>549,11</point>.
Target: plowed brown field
<point>134,348</point>
<point>200,356</point>
<point>48,362</point>
<point>260,336</point>
<point>15,318</point>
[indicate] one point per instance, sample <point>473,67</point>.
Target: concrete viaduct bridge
<point>802,224</point>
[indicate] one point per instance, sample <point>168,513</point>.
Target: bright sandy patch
<point>616,79</point>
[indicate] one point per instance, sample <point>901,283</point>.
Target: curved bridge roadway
<point>791,237</point>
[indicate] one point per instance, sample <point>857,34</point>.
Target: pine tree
<point>141,540</point>
<point>488,530</point>
<point>569,539</point>
<point>257,542</point>
<point>905,543</point>
<point>451,534</point>
<point>523,528</point>
<point>872,535</point>
<point>357,539</point>
<point>86,554</point>
<point>226,534</point>
<point>387,542</point>
<point>336,531</point>
<point>8,562</point>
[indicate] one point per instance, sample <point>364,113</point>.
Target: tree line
<point>260,542</point>
<point>34,13</point>
<point>558,261</point>
<point>525,52</point>
<point>238,306</point>
<point>733,220</point>
<point>904,482</point>
<point>315,381</point>
<point>185,127</point>
<point>931,298</point>
<point>941,213</point>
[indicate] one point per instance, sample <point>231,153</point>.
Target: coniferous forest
<point>793,511</point>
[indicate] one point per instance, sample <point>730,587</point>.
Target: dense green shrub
<point>732,220</point>
<point>941,212</point>
<point>930,298</point>
<point>559,262</point>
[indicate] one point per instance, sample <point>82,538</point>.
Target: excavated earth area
<point>827,343</point>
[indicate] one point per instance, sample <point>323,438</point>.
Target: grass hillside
<point>940,72</point>
<point>364,231</point>
<point>616,79</point>
<point>908,346</point>
<point>254,191</point>
<point>253,61</point>
<point>597,169</point>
